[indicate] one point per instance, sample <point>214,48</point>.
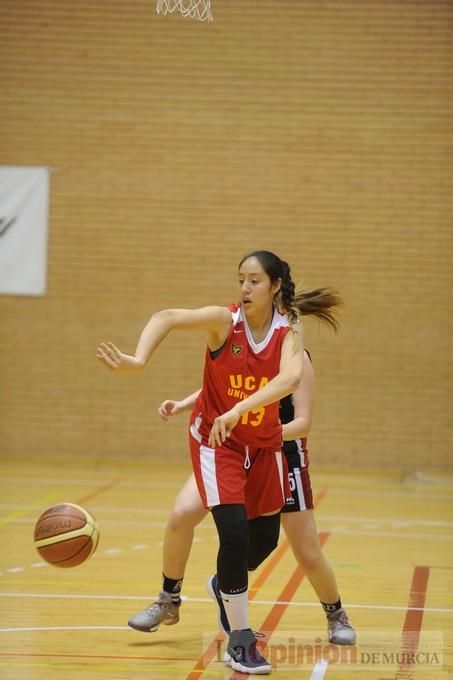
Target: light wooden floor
<point>390,544</point>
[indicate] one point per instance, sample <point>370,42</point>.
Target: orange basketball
<point>66,535</point>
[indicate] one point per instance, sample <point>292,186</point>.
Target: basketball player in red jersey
<point>297,518</point>
<point>254,358</point>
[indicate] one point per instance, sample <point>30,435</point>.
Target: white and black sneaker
<point>245,658</point>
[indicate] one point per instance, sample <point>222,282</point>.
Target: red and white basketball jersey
<point>237,370</point>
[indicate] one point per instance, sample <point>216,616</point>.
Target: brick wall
<point>320,130</point>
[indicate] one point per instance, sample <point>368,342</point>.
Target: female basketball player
<point>298,521</point>
<point>254,358</point>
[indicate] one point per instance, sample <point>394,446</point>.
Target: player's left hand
<point>222,427</point>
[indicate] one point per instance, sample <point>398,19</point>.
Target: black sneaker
<point>245,657</point>
<point>212,586</point>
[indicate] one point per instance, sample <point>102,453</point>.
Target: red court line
<point>213,648</point>
<point>268,568</point>
<point>99,490</point>
<point>273,618</point>
<point>413,621</point>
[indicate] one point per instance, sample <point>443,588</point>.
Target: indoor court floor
<point>389,541</point>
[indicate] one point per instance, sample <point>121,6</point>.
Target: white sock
<point>236,607</point>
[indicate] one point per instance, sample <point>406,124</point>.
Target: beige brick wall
<point>321,130</point>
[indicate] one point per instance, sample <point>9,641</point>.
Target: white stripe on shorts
<point>194,429</point>
<point>208,474</point>
<point>300,489</point>
<point>301,452</point>
<point>278,460</point>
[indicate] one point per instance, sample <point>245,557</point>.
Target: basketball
<point>66,535</point>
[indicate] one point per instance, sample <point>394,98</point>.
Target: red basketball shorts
<point>255,477</point>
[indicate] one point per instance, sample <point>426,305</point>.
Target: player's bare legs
<point>187,512</point>
<point>300,528</point>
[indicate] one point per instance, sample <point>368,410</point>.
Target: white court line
<point>119,509</point>
<point>118,522</point>
<point>93,482</point>
<point>389,534</point>
<point>319,670</point>
<point>185,598</point>
<point>386,520</point>
<point>343,531</point>
<point>417,492</point>
<point>413,491</point>
<point>405,521</point>
<point>103,522</point>
<point>398,522</point>
<point>73,596</point>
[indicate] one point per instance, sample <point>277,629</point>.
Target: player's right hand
<point>110,356</point>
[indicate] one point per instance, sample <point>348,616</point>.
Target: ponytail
<point>320,302</point>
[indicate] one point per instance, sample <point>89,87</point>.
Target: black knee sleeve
<point>233,530</point>
<point>263,538</point>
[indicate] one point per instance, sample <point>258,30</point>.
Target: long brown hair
<point>322,303</point>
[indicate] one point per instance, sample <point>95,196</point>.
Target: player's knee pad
<point>263,538</point>
<point>233,530</point>
<point>232,525</point>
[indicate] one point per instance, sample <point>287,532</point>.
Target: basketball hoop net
<point>195,9</point>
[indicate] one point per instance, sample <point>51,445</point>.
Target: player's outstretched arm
<point>109,355</point>
<point>214,321</point>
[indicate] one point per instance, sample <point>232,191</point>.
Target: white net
<point>195,9</point>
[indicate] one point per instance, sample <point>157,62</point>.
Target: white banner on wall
<point>24,208</point>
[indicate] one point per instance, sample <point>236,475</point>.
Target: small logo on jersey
<point>236,349</point>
